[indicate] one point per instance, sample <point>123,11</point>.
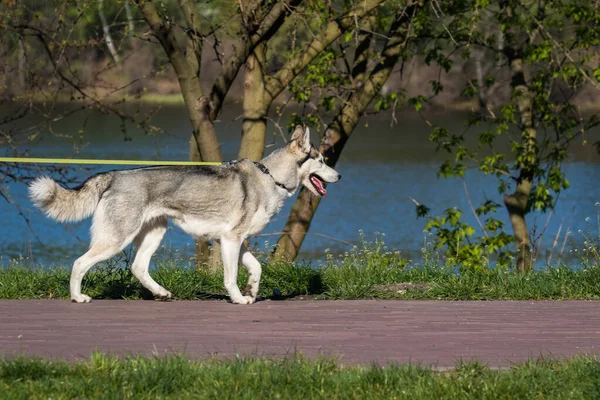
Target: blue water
<point>383,167</point>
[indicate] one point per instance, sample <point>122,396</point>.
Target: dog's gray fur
<point>225,203</point>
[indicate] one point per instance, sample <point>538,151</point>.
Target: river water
<point>383,167</point>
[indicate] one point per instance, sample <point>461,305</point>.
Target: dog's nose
<point>339,176</point>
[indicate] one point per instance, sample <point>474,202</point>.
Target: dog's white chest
<point>264,214</point>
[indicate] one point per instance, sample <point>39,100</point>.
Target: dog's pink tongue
<point>319,185</point>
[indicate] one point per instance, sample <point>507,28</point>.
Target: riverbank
<point>584,105</point>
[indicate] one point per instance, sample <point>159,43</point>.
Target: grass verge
<point>291,378</point>
<point>369,272</point>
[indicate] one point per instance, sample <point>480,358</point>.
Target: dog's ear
<point>301,139</point>
<point>305,142</point>
<point>298,133</point>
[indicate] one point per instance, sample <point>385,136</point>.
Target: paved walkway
<point>427,332</point>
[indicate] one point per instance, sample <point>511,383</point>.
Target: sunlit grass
<point>366,271</point>
<point>176,377</point>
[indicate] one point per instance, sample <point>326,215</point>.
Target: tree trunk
<point>256,106</point>
<point>130,25</point>
<point>107,37</point>
<point>341,128</point>
<point>516,203</point>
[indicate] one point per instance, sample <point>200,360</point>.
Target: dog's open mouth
<point>318,184</point>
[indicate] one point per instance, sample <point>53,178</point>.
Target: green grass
<point>176,377</point>
<point>369,272</point>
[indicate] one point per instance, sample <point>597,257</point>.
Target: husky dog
<point>227,203</point>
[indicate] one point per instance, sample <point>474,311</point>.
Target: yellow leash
<point>101,162</point>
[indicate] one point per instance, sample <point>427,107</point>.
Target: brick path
<point>427,332</point>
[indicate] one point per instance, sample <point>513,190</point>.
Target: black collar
<point>266,171</point>
<point>305,159</point>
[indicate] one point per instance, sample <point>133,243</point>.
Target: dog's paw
<point>243,300</point>
<point>240,300</point>
<point>164,295</point>
<point>82,298</point>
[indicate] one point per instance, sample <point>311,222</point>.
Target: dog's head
<point>313,171</point>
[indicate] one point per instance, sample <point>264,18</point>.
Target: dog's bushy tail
<point>68,204</point>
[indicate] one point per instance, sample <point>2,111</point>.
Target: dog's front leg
<point>254,271</point>
<point>230,251</point>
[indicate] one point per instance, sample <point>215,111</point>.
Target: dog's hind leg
<point>97,252</point>
<point>230,251</point>
<point>147,241</point>
<point>254,271</point>
<point>109,236</point>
